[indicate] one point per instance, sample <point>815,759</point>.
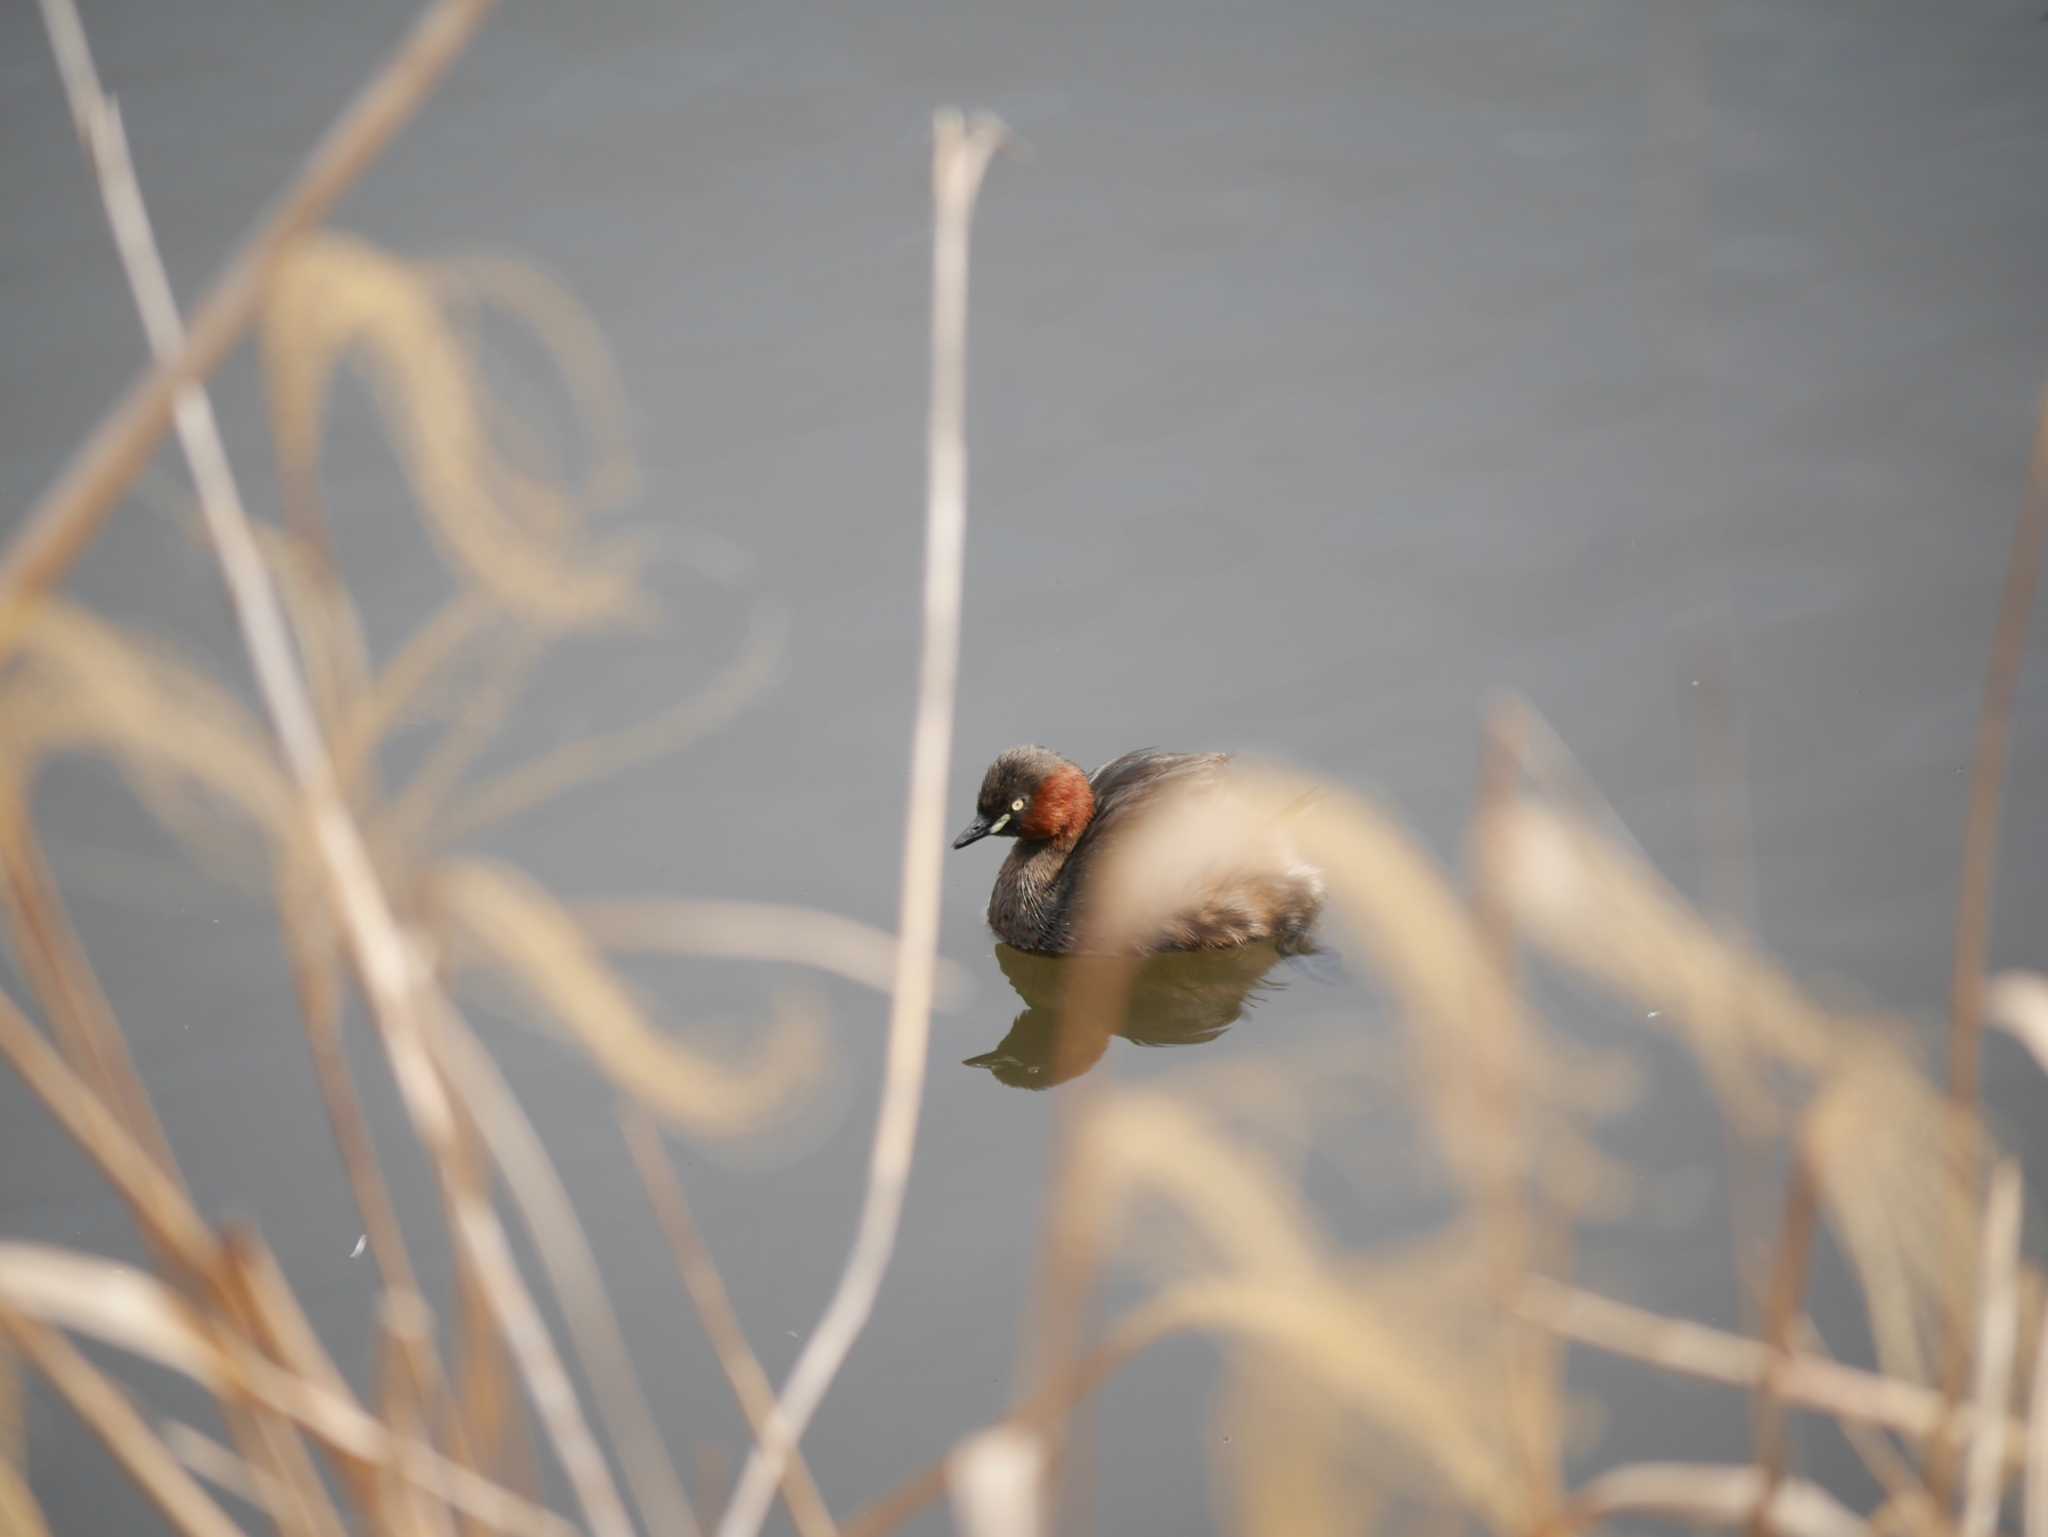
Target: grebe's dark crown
<point>1007,791</point>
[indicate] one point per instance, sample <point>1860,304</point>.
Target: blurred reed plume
<point>1423,1380</point>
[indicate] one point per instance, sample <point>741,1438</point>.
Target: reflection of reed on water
<point>1178,998</point>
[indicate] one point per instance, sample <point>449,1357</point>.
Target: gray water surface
<point>1334,366</point>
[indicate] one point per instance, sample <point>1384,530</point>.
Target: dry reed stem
<point>774,932</point>
<point>19,1512</point>
<point>1509,1200</point>
<point>273,1320</point>
<point>544,1376</point>
<point>187,1508</point>
<point>1980,868</point>
<point>133,1311</point>
<point>222,1467</point>
<point>700,1277</point>
<point>387,699</point>
<point>394,975</point>
<point>62,975</point>
<point>532,940</point>
<point>61,525</point>
<point>257,611</point>
<point>579,762</point>
<point>996,1479</point>
<point>1693,1349</point>
<point>2036,1499</point>
<point>1783,1304</point>
<point>961,151</point>
<point>1412,1351</point>
<point>335,296</point>
<point>333,649</point>
<point>277,1321</point>
<point>1040,1412</point>
<point>160,1208</point>
<point>402,824</point>
<point>20,1515</point>
<point>2017,1002</point>
<point>268,1440</point>
<point>429,1389</point>
<point>13,1429</point>
<point>404,1332</point>
<point>573,1273</point>
<point>316,982</point>
<point>1907,1498</point>
<point>1726,835</point>
<point>1707,1494</point>
<point>1997,1340</point>
<point>485,1413</point>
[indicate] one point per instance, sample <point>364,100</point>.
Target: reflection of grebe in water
<point>1176,999</point>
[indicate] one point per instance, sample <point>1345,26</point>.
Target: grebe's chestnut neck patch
<point>1059,810</point>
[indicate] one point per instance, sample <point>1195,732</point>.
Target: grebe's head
<point>1034,793</point>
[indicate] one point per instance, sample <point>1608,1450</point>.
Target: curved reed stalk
<point>61,525</point>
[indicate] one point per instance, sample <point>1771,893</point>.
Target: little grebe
<point>1063,819</point>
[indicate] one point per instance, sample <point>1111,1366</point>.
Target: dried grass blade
<point>1997,1338</point>
<point>176,1495</point>
<point>1133,1335</point>
<point>1783,1304</point>
<point>1511,1205</point>
<point>19,1511</point>
<point>1987,773</point>
<point>335,295</point>
<point>590,758</point>
<point>64,978</point>
<point>20,1514</point>
<point>61,525</point>
<point>541,1368</point>
<point>2036,1505</point>
<point>160,1207</point>
<point>487,1413</point>
<point>1599,908</point>
<point>750,1384</point>
<point>388,698</point>
<point>1709,1494</point>
<point>316,981</point>
<point>13,1422</point>
<point>223,1468</point>
<point>995,1477</point>
<point>332,646</point>
<point>267,1314</point>
<point>1975,886</point>
<point>135,1312</point>
<point>524,930</point>
<point>758,931</point>
<point>406,821</point>
<point>550,1215</point>
<point>403,1331</point>
<point>1696,1350</point>
<point>393,972</point>
<point>281,1325</point>
<point>2018,1003</point>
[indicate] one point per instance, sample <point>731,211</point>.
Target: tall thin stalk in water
<point>1973,898</point>
<point>961,151</point>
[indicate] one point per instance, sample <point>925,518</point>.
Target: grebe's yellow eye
<point>1016,805</point>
